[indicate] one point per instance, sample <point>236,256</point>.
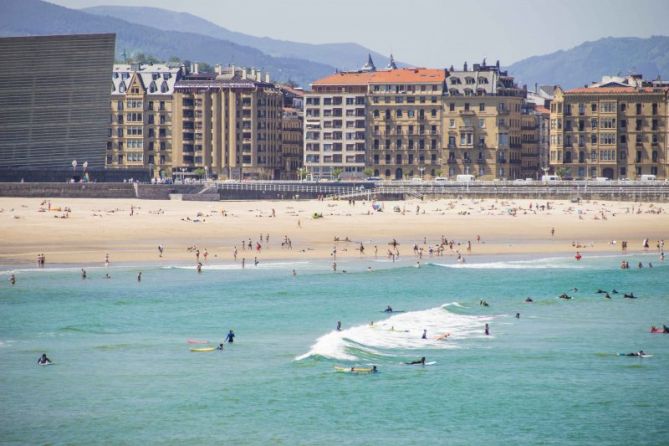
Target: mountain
<point>36,17</point>
<point>590,61</point>
<point>344,56</point>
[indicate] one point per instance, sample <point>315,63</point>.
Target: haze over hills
<point>344,56</point>
<point>189,37</point>
<point>36,17</point>
<point>590,61</point>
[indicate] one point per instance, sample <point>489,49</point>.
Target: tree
<point>199,172</point>
<point>302,173</point>
<point>368,171</point>
<point>336,172</point>
<point>204,67</point>
<point>563,171</point>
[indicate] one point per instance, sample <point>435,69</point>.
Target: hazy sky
<point>430,32</point>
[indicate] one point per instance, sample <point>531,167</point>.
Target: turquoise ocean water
<point>124,373</point>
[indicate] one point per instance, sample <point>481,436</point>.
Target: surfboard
<point>427,363</point>
<point>353,369</point>
<point>46,363</point>
<point>394,311</point>
<point>203,349</point>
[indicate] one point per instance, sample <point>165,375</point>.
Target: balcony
<point>480,161</point>
<point>451,161</point>
<point>501,161</point>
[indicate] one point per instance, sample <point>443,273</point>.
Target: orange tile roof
<point>344,79</point>
<point>409,75</point>
<point>400,75</point>
<point>610,90</point>
<point>542,110</point>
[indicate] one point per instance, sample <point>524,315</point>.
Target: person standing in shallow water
<point>487,330</point>
<point>139,277</point>
<point>230,338</point>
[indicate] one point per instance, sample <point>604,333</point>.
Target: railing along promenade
<point>646,191</point>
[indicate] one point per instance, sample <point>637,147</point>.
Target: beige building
<point>404,118</point>
<point>482,113</point>
<point>140,133</point>
<point>228,124</point>
<point>610,129</point>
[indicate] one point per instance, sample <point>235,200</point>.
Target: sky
<point>435,33</point>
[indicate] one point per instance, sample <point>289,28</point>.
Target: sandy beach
<point>131,230</point>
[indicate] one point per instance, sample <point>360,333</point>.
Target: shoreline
<point>130,230</point>
<point>324,264</point>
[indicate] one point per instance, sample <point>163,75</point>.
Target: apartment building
<point>335,125</point>
<point>482,120</point>
<point>140,133</point>
<point>614,128</point>
<point>404,118</point>
<point>228,124</point>
<point>292,142</point>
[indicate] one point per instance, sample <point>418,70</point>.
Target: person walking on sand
<point>107,260</point>
<point>243,262</point>
<point>552,232</point>
<point>160,250</point>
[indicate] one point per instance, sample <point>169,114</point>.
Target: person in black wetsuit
<point>639,353</point>
<point>338,325</point>
<point>388,309</point>
<point>424,334</point>
<point>529,300</point>
<point>43,360</point>
<point>421,361</point>
<point>230,338</point>
<point>220,347</point>
<point>630,296</point>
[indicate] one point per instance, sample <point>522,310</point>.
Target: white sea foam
<point>399,332</point>
<point>548,263</point>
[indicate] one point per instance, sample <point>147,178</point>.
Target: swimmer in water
<point>421,361</point>
<point>388,309</point>
<point>43,360</point>
<point>639,353</point>
<point>528,300</point>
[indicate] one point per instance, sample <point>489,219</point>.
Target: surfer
<point>630,296</point>
<point>338,325</point>
<point>528,300</point>
<point>220,347</point>
<point>388,309</point>
<point>83,273</point>
<point>639,353</point>
<point>421,361</point>
<point>424,334</point>
<point>565,296</point>
<point>230,338</point>
<point>139,277</point>
<point>614,291</point>
<point>12,279</point>
<point>606,295</point>
<point>107,276</point>
<point>487,330</point>
<point>43,360</point>
<point>517,315</point>
<point>600,291</point>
